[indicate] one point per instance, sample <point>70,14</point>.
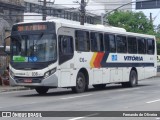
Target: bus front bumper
<point>51,81</point>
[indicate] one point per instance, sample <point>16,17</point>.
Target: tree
<point>158,32</point>
<point>158,29</point>
<point>158,47</point>
<point>132,21</point>
<point>158,39</point>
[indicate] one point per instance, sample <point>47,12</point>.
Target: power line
<point>109,9</point>
<point>156,16</point>
<point>94,4</point>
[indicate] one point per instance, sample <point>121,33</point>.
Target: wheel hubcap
<point>134,80</point>
<point>80,82</point>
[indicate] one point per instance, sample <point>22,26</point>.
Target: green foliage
<point>158,32</point>
<point>131,21</point>
<point>158,47</point>
<point>158,29</point>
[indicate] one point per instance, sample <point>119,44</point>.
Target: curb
<point>9,89</point>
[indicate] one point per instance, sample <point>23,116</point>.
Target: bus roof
<point>98,27</point>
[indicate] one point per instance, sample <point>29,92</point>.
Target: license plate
<point>28,80</point>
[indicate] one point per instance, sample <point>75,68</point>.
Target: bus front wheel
<point>80,83</point>
<point>42,90</point>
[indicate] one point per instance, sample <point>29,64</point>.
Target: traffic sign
<point>148,4</point>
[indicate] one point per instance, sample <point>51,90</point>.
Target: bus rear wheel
<point>133,80</point>
<point>100,86</point>
<point>80,83</point>
<point>42,90</point>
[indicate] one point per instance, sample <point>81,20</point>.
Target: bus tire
<point>42,90</point>
<point>100,86</point>
<point>133,79</point>
<point>80,83</point>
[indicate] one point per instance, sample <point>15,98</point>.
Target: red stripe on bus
<point>98,59</point>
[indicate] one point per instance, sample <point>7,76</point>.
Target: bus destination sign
<point>33,27</point>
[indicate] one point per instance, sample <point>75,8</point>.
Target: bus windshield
<point>34,48</point>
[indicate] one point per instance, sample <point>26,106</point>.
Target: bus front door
<point>65,59</point>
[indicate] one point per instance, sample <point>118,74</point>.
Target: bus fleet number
<point>82,60</point>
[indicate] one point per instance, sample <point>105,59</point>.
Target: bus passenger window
<point>121,44</point>
<point>150,46</point>
<point>141,46</point>
<point>110,43</point>
<point>97,42</point>
<point>65,45</point>
<point>82,41</point>
<point>132,45</point>
<point>66,50</point>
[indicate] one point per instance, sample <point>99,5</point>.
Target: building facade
<point>11,12</point>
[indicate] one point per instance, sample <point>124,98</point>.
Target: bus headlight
<point>50,72</point>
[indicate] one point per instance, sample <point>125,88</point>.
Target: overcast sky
<point>100,8</point>
<point>92,8</point>
<point>155,15</point>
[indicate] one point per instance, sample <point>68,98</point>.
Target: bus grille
<point>33,80</point>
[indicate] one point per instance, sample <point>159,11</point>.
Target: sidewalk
<point>9,88</point>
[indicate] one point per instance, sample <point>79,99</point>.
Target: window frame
<point>121,35</point>
<point>101,43</point>
<point>87,41</point>
<point>153,46</point>
<point>107,46</point>
<point>132,45</point>
<point>138,39</point>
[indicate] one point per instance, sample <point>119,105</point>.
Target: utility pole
<point>82,12</point>
<point>151,20</point>
<point>45,8</point>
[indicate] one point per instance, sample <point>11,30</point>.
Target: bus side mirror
<point>7,45</point>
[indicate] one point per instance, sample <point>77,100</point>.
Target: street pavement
<point>144,97</point>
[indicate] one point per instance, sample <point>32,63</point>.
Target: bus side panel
<point>150,71</point>
<point>106,75</point>
<point>83,60</point>
<point>126,73</point>
<point>140,72</point>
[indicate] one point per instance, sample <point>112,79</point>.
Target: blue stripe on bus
<point>104,63</point>
<point>104,59</point>
<point>128,64</point>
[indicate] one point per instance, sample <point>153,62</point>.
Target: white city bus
<point>55,54</point>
